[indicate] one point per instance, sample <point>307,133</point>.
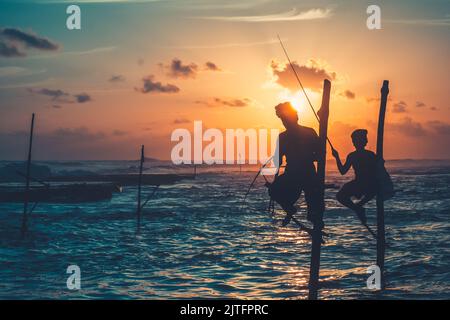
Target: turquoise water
<point>196,243</point>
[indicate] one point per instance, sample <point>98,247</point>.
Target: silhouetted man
<point>364,186</point>
<point>300,146</point>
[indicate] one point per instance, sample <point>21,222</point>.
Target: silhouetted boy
<point>364,185</point>
<point>300,146</point>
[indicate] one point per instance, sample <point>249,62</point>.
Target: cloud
<point>91,51</point>
<point>99,1</point>
<point>420,104</point>
<point>408,127</point>
<point>55,94</point>
<point>10,50</point>
<point>376,99</point>
<point>291,15</point>
<point>176,69</point>
<point>439,127</point>
<point>82,97</point>
<point>119,133</point>
<point>235,103</point>
<point>14,42</point>
<point>229,45</point>
<point>150,85</point>
<point>62,96</point>
<point>348,94</point>
<point>81,133</point>
<point>445,22</point>
<point>311,75</point>
<point>13,71</point>
<point>212,66</point>
<point>117,78</point>
<point>181,121</point>
<point>399,107</point>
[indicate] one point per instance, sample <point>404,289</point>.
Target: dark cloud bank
<point>15,43</point>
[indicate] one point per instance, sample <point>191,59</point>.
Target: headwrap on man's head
<point>285,109</point>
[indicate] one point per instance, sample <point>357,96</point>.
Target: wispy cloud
<point>91,51</point>
<point>400,107</point>
<point>291,15</point>
<point>13,71</point>
<point>445,22</point>
<point>228,45</point>
<point>76,53</point>
<point>223,4</point>
<point>236,103</point>
<point>100,1</point>
<point>29,84</point>
<point>58,95</point>
<point>116,78</point>
<point>181,121</point>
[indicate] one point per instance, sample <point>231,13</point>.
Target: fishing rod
<point>254,180</point>
<point>301,86</point>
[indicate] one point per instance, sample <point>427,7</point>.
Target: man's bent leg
<point>285,192</point>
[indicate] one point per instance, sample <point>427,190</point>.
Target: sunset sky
<point>137,70</point>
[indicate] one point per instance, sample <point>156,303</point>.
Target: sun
<point>297,103</point>
<point>295,99</point>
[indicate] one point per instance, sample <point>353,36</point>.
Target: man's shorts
<point>287,188</point>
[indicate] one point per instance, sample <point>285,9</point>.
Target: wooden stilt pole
<point>240,164</point>
<point>381,242</point>
<point>139,207</point>
<point>318,216</point>
<point>27,183</point>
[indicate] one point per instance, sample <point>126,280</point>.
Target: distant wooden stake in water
<point>318,219</point>
<point>139,207</point>
<point>381,242</point>
<point>27,183</point>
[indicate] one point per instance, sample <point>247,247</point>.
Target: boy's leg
<point>369,193</point>
<point>344,196</point>
<point>366,198</point>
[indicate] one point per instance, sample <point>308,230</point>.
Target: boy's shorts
<point>358,190</point>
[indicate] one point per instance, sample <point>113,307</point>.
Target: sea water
<point>197,240</point>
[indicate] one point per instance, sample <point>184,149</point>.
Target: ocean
<point>198,241</point>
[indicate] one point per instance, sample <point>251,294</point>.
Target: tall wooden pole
<point>27,183</point>
<point>318,216</point>
<point>381,241</point>
<point>139,207</point>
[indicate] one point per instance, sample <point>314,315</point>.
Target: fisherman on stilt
<point>300,147</point>
<point>364,185</point>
